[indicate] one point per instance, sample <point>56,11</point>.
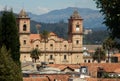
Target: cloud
<point>1,8</point>
<point>41,10</point>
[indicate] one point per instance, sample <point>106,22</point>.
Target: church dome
<point>23,14</point>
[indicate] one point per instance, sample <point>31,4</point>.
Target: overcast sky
<point>44,6</point>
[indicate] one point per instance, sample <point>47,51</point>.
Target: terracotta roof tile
<point>36,79</point>
<point>59,77</point>
<point>106,66</point>
<point>63,66</point>
<point>34,37</point>
<point>117,70</point>
<point>102,79</point>
<point>116,55</point>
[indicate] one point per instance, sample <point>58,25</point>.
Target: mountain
<point>92,18</point>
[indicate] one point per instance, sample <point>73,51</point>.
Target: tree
<point>45,35</point>
<point>109,44</point>
<point>0,33</point>
<point>9,70</point>
<point>111,12</point>
<point>9,35</point>
<point>35,54</point>
<point>99,55</point>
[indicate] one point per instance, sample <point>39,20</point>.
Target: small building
<point>115,58</point>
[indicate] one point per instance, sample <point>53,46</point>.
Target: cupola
<point>23,14</point>
<point>76,15</point>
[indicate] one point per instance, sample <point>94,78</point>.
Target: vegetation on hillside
<point>61,29</point>
<point>96,37</point>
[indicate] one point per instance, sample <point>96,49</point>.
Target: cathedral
<point>55,50</point>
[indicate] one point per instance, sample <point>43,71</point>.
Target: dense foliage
<point>109,44</point>
<point>111,12</point>
<point>35,54</point>
<point>9,34</point>
<point>9,71</point>
<point>10,68</point>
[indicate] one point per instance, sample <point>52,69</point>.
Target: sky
<point>44,6</point>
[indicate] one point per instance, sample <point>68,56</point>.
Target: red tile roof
<point>47,77</point>
<point>102,79</point>
<point>108,67</point>
<point>91,66</point>
<point>59,77</point>
<point>36,79</point>
<point>116,55</point>
<point>117,70</point>
<point>63,66</point>
<point>34,37</point>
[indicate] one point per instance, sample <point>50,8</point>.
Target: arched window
<point>51,57</point>
<point>77,41</point>
<point>24,27</point>
<point>85,61</point>
<point>24,42</point>
<point>65,47</point>
<point>37,46</point>
<point>65,57</point>
<point>88,61</point>
<point>77,28</point>
<point>51,46</point>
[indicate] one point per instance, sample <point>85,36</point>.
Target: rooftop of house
<point>63,66</point>
<point>116,55</point>
<point>102,79</point>
<point>106,66</point>
<point>46,77</point>
<point>91,66</point>
<point>36,79</point>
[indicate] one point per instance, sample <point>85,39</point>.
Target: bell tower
<point>23,22</point>
<point>75,30</point>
